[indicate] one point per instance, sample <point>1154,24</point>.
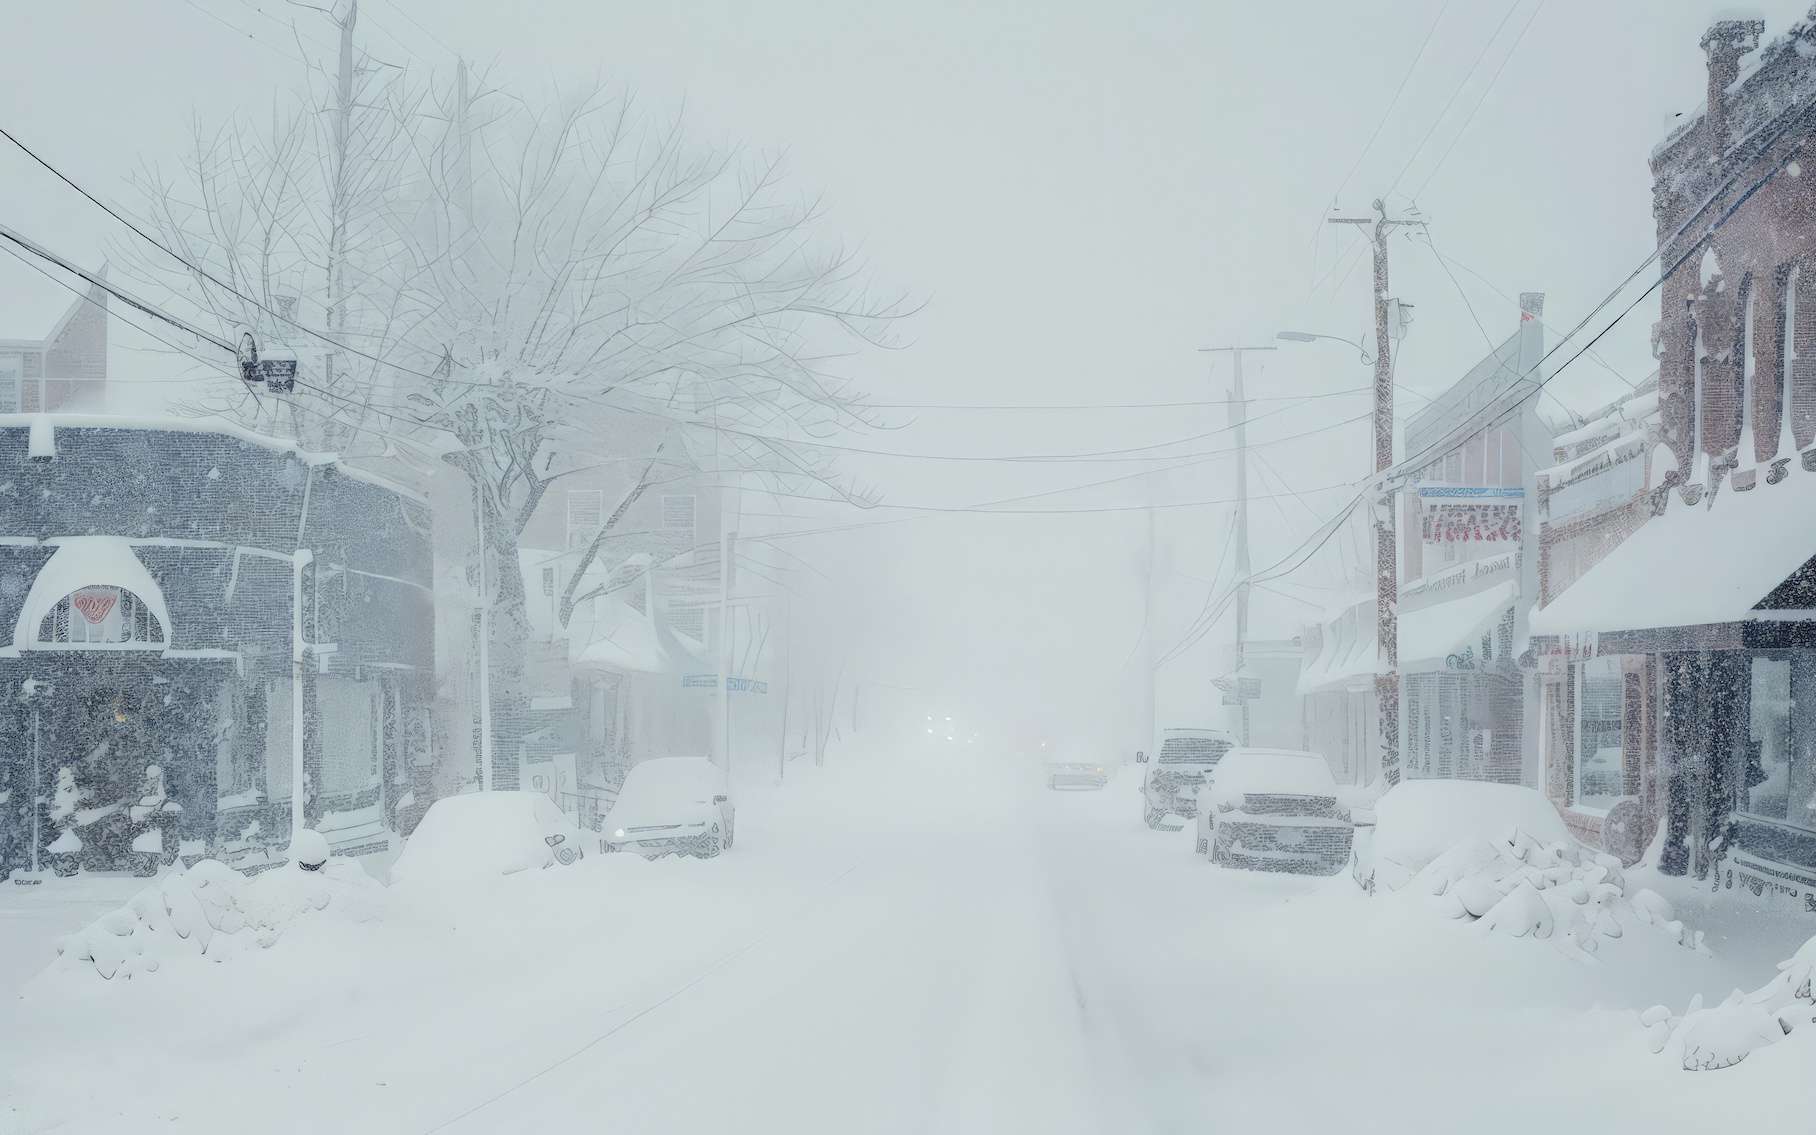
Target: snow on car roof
<point>478,834</point>
<point>1287,772</point>
<point>668,775</point>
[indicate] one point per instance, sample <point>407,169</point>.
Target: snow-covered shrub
<point>1723,1036</point>
<point>212,910</point>
<point>1555,891</point>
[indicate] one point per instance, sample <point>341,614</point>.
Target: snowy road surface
<point>908,945</point>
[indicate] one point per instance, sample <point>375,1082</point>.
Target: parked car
<point>486,834</point>
<point>1073,771</point>
<point>1274,810</point>
<point>671,805</point>
<point>1177,771</point>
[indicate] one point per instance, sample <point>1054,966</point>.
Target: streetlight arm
<point>1312,337</point>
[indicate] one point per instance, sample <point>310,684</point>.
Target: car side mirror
<point>720,799</point>
<point>555,839</point>
<point>1141,758</point>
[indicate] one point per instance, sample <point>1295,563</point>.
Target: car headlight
<point>619,834</point>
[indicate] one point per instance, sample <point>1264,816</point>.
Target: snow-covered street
<point>903,944</point>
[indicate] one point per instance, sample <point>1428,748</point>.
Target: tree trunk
<point>508,652</point>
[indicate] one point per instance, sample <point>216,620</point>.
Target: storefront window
<point>1598,739</point>
<point>1769,739</point>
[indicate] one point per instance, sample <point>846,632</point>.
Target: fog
<point>943,567</point>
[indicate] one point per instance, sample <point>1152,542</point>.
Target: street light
<point>1312,337</point>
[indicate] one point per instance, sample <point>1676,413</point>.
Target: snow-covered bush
<point>1556,891</point>
<point>1720,1037</point>
<point>212,910</point>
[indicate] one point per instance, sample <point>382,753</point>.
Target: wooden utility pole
<point>1387,558</point>
<point>1239,416</point>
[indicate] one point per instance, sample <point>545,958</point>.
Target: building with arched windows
<point>1688,645</point>
<point>206,636</point>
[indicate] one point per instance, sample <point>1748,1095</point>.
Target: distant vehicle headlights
<point>619,834</point>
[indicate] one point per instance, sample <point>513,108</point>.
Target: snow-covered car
<point>486,834</point>
<point>1177,771</point>
<point>671,805</point>
<point>1418,820</point>
<point>1074,772</point>
<point>1274,810</point>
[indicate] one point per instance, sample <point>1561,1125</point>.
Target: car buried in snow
<point>479,835</point>
<point>1175,773</point>
<point>671,806</point>
<point>1074,771</point>
<point>1274,810</point>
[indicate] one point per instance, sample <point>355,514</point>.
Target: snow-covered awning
<point>1711,562</point>
<point>1347,655</point>
<point>1431,634</point>
<point>103,567</point>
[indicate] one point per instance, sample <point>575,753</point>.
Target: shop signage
<point>737,685</point>
<point>95,603</point>
<point>1463,577</point>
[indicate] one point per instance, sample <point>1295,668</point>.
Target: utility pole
<point>1239,416</point>
<point>1387,558</point>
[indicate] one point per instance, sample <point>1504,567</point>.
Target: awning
<point>1431,634</point>
<point>91,562</point>
<point>1712,562</point>
<point>1347,654</point>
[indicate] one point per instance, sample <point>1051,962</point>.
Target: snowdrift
<point>1418,820</point>
<point>1707,1039</point>
<point>1556,891</point>
<point>211,911</point>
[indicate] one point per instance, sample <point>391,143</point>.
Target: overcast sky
<point>1084,194</point>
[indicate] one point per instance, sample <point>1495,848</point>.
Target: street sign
<point>711,682</point>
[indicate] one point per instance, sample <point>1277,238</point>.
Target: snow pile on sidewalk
<point>1556,891</point>
<point>1721,1037</point>
<point>1419,820</point>
<point>212,910</point>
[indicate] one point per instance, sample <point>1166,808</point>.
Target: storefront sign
<point>1448,523</point>
<point>1462,577</point>
<point>737,685</point>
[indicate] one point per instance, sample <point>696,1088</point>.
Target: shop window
<point>678,512</point>
<point>1600,777</point>
<point>585,513</point>
<point>349,726</point>
<point>1780,779</point>
<point>1799,357</point>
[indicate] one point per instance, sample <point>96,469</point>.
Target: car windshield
<point>1192,750</point>
<point>670,781</point>
<point>701,567</point>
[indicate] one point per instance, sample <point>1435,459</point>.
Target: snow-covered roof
<point>1709,562</point>
<point>89,561</point>
<point>1430,634</point>
<point>209,425</point>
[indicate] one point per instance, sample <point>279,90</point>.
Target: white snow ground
<point>895,945</point>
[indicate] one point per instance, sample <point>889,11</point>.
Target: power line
<point>1492,80</point>
<point>1387,112</point>
<point>1024,407</point>
<point>1448,103</point>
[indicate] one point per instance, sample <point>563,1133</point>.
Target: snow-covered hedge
<point>1720,1037</point>
<point>1556,891</point>
<point>212,910</point>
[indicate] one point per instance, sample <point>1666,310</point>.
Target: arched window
<point>1787,361</point>
<point>1744,446</point>
<point>1694,427</point>
<point>100,616</point>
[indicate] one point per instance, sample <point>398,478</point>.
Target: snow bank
<point>1706,1039</point>
<point>1557,892</point>
<point>1419,820</point>
<point>211,910</point>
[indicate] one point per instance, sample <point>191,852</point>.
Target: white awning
<point>1431,634</point>
<point>1347,654</point>
<point>90,561</point>
<point>1710,562</point>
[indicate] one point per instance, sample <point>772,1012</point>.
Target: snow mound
<point>1558,892</point>
<point>211,910</point>
<point>1707,1039</point>
<point>481,835</point>
<point>1417,821</point>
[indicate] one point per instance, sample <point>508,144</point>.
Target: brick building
<point>66,369</point>
<point>1711,602</point>
<point>187,611</point>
